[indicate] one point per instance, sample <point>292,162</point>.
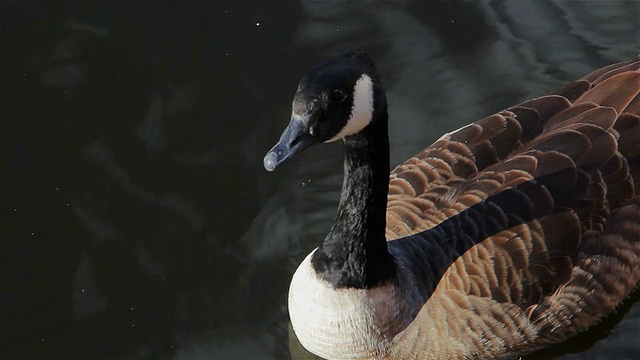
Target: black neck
<point>354,253</point>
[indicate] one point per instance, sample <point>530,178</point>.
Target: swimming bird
<point>507,235</point>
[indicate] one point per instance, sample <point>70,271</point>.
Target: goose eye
<point>339,95</point>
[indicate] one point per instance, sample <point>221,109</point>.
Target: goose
<point>505,236</point>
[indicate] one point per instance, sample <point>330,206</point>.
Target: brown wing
<point>544,280</point>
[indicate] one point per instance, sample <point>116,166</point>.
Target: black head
<point>334,100</point>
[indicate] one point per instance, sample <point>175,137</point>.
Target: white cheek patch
<point>362,109</point>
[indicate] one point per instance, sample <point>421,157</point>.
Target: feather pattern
<point>558,270</point>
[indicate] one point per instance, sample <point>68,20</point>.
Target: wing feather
<point>551,251</point>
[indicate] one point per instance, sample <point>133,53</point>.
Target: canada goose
<point>504,236</point>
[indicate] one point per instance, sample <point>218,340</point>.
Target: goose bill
<point>294,139</point>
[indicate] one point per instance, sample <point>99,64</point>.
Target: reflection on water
<point>138,222</point>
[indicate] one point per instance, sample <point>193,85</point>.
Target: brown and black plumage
<point>510,234</point>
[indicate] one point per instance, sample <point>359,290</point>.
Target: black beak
<point>293,140</point>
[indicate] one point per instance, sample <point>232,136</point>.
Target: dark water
<point>137,220</point>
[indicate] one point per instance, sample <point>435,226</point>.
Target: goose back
<point>567,254</point>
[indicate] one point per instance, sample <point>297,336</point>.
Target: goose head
<point>333,101</point>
